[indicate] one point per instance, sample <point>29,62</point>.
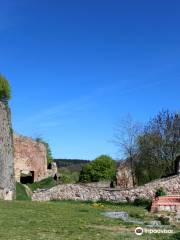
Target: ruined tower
<point>7,182</point>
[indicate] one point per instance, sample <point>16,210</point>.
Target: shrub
<point>175,236</point>
<point>164,220</point>
<point>5,90</point>
<point>86,173</point>
<point>102,168</point>
<point>143,202</point>
<point>66,179</point>
<point>160,192</point>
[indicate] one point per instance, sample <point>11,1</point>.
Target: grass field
<point>26,220</point>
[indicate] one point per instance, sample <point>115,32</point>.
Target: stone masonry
<point>30,157</point>
<point>7,181</point>
<point>84,193</point>
<point>124,175</point>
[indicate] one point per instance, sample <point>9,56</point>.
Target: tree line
<point>150,150</point>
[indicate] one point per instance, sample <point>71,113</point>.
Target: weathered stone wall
<point>7,182</point>
<point>85,193</point>
<point>124,176</point>
<point>29,155</point>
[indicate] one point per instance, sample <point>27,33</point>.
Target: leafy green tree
<point>86,173</point>
<point>102,168</point>
<point>5,90</point>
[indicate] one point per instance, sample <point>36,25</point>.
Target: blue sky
<point>77,67</point>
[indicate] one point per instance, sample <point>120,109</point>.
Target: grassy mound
<point>21,193</point>
<point>43,184</point>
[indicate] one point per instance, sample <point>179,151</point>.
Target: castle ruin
<point>7,180</point>
<point>22,159</point>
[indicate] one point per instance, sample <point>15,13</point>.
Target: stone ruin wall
<point>30,155</point>
<point>124,176</point>
<point>82,192</point>
<point>7,181</point>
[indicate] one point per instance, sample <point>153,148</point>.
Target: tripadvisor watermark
<point>140,231</point>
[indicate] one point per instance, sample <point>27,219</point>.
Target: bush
<point>66,179</point>
<point>86,174</point>
<point>102,168</point>
<point>143,202</point>
<point>160,192</point>
<point>164,220</point>
<point>175,236</point>
<point>5,90</point>
<point>43,184</point>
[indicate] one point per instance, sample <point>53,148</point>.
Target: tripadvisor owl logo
<point>139,231</point>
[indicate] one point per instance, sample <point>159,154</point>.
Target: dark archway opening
<point>27,177</point>
<point>49,166</point>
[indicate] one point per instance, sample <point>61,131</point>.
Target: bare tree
<point>125,138</point>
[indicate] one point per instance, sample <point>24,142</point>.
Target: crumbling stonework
<point>29,156</point>
<point>85,193</point>
<point>124,176</point>
<point>7,182</point>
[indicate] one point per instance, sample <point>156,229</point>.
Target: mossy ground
<point>67,220</point>
<point>43,184</point>
<point>21,193</point>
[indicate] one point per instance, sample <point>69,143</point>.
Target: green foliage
<point>86,174</point>
<point>102,168</point>
<point>5,90</point>
<point>160,192</point>
<point>43,184</point>
<point>66,179</point>
<point>143,202</point>
<point>48,149</point>
<point>21,193</point>
<point>164,220</point>
<point>157,147</point>
<point>175,236</point>
<point>68,176</point>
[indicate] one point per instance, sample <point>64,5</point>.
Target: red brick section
<point>165,201</point>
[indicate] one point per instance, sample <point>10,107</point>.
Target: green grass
<point>66,177</point>
<point>21,193</point>
<point>43,184</point>
<point>66,220</point>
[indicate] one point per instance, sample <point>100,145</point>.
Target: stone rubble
<point>85,193</point>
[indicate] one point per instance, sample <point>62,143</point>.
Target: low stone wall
<point>85,193</point>
<point>102,184</point>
